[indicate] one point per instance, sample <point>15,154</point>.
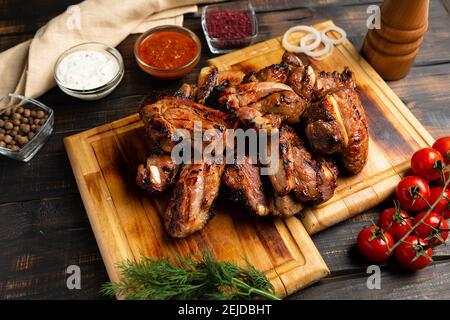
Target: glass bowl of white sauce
<point>89,71</point>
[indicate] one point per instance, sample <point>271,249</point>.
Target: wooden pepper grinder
<point>392,49</point>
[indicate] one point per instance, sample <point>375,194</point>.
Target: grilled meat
<point>187,91</point>
<point>287,104</point>
<point>157,174</point>
<point>285,206</point>
<point>327,175</point>
<point>193,195</point>
<point>243,95</point>
<point>311,84</point>
<point>272,103</point>
<point>283,178</point>
<point>272,98</point>
<point>292,60</point>
<point>250,117</point>
<point>206,82</point>
<point>337,124</point>
<point>211,82</point>
<point>163,118</point>
<point>308,177</point>
<point>273,73</point>
<point>229,78</point>
<point>244,184</point>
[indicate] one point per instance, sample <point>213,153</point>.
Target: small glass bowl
<point>99,92</point>
<point>223,45</point>
<point>167,73</point>
<point>29,150</point>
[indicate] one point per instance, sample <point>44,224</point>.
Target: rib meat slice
<point>244,184</point>
<point>284,206</point>
<point>311,84</point>
<point>243,95</point>
<point>157,174</point>
<point>283,178</point>
<point>287,104</point>
<point>193,195</point>
<point>211,81</point>
<point>164,117</point>
<point>308,177</point>
<point>337,124</point>
<point>187,91</point>
<point>273,73</point>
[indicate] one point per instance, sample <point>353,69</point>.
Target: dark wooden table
<point>43,224</point>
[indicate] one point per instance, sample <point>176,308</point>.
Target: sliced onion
<point>326,55</point>
<point>326,47</point>
<point>293,48</point>
<point>337,29</point>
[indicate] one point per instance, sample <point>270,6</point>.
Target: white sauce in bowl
<point>87,69</point>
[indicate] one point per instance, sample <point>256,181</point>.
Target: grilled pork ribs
<point>321,124</point>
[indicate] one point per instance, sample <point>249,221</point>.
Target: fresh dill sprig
<point>205,278</point>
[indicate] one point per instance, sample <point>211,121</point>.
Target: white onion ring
<point>326,55</point>
<point>337,29</point>
<point>299,49</point>
<point>315,54</point>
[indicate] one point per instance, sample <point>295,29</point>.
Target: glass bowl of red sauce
<point>167,52</point>
<point>229,26</point>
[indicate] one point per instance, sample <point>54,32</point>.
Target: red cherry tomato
<point>443,146</point>
<point>426,162</point>
<point>412,193</point>
<point>396,221</point>
<point>443,206</point>
<point>434,229</point>
<point>414,253</point>
<point>374,243</point>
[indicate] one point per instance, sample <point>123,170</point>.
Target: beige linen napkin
<point>170,16</point>
<point>27,68</point>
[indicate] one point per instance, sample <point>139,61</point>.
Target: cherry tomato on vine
<point>395,221</point>
<point>446,176</point>
<point>414,253</point>
<point>427,163</point>
<point>374,243</point>
<point>412,193</point>
<point>443,206</point>
<point>443,146</point>
<point>434,228</point>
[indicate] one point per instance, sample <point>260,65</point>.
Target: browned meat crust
<point>284,206</point>
<point>310,178</point>
<point>311,84</point>
<point>287,104</point>
<point>193,195</point>
<point>206,82</point>
<point>164,117</point>
<point>243,95</point>
<point>211,82</point>
<point>273,73</point>
<point>157,174</point>
<point>186,91</point>
<point>244,184</point>
<point>292,60</point>
<point>338,124</point>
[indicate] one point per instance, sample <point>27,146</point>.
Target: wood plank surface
<point>42,195</point>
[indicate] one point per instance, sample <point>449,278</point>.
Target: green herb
<point>203,279</point>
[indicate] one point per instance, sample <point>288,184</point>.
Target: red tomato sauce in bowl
<point>167,51</point>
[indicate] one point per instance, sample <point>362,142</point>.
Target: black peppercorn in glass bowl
<point>14,143</point>
<point>229,26</point>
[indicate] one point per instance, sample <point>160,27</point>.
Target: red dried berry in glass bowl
<point>229,26</point>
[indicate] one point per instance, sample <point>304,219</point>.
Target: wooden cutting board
<point>126,221</point>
